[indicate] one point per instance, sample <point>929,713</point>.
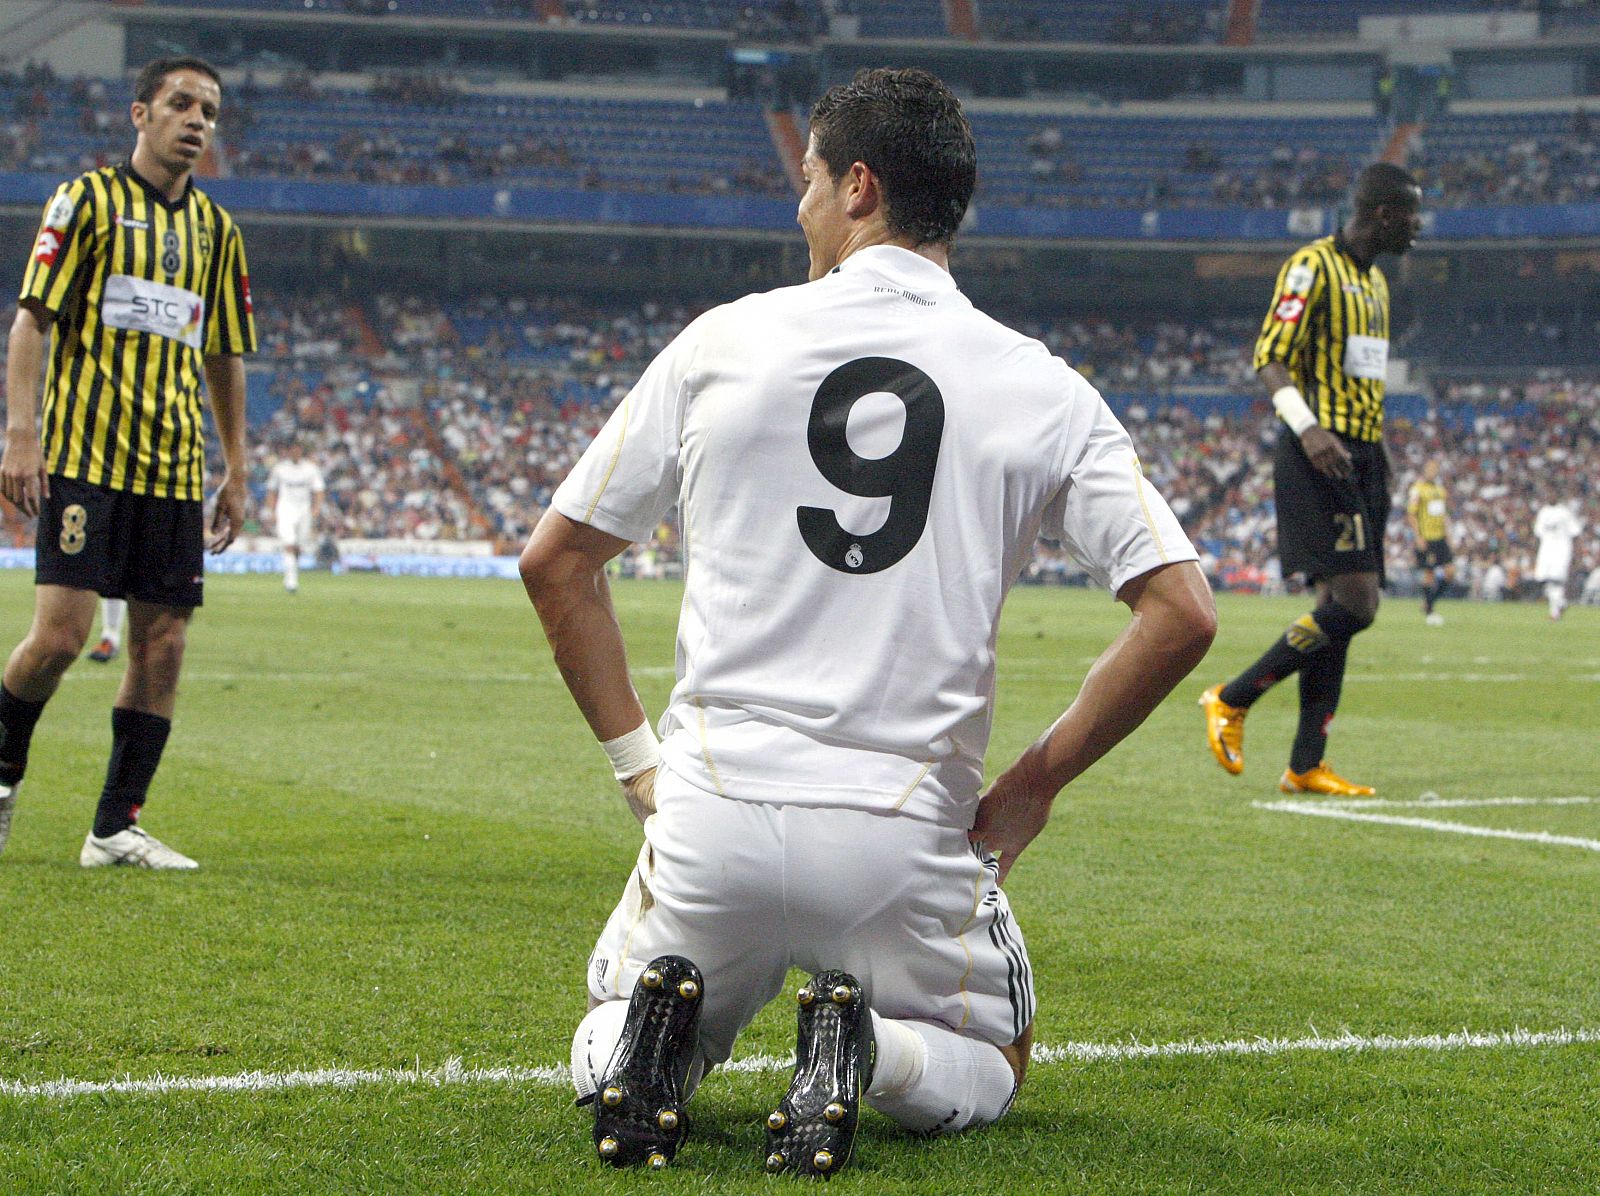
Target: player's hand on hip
<point>228,519</point>
<point>640,790</point>
<point>23,479</point>
<point>1011,813</point>
<point>1326,452</point>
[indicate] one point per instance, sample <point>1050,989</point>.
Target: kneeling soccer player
<point>861,465</point>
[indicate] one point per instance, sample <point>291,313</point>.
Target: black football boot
<point>638,1107</point>
<point>813,1130</point>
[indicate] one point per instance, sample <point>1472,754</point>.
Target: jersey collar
<point>901,266</point>
<point>154,192</point>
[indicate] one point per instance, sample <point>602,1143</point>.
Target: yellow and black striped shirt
<point>143,290</point>
<point>1329,325</point>
<point>1427,505</point>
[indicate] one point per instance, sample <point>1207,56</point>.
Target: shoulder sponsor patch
<point>1299,279</point>
<point>139,305</point>
<point>47,247</point>
<point>1290,309</point>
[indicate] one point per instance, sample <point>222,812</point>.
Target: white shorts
<point>748,890</point>
<point>294,528</point>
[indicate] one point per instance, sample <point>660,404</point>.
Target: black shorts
<point>1434,554</point>
<point>1329,526</point>
<point>120,544</point>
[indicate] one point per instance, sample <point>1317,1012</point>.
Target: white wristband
<point>637,751</point>
<point>1292,409</point>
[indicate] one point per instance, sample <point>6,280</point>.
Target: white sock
<point>958,1083</point>
<point>291,569</point>
<point>595,1040</point>
<point>111,612</point>
<point>593,1043</point>
<point>1556,594</point>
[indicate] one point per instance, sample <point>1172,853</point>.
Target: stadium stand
<point>415,129</point>
<point>1114,22</point>
<point>1292,19</point>
<point>472,409</point>
<point>1511,158</point>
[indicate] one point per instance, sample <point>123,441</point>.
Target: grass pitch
<point>408,842</point>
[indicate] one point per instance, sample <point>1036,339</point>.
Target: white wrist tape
<point>1291,407</point>
<point>637,751</point>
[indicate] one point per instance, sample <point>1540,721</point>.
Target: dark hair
<point>155,72</point>
<point>908,128</point>
<point>1384,183</point>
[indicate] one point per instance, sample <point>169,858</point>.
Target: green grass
<point>409,842</point>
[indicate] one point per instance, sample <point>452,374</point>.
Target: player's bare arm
<point>563,570</point>
<point>1324,450</point>
<point>225,383</point>
<point>23,479</point>
<point>1174,621</point>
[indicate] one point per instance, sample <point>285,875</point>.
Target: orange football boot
<point>1322,779</point>
<point>1224,729</point>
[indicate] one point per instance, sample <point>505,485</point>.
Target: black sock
<point>137,740</point>
<point>1306,637</point>
<point>17,720</point>
<point>1429,593</point>
<point>1436,593</point>
<point>1321,681</point>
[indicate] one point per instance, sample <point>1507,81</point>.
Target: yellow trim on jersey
<point>1322,299</point>
<point>705,750</point>
<point>123,392</point>
<point>1144,505</point>
<point>616,455</point>
<point>912,788</point>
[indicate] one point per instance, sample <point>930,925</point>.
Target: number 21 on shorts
<point>1352,533</point>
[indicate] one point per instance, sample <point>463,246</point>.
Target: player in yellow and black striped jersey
<point>138,286</point>
<point>1329,326</point>
<point>1322,354</point>
<point>1427,514</point>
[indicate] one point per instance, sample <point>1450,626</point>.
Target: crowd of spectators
<point>515,400</point>
<point>1292,178</point>
<point>1559,168</point>
<point>456,420</point>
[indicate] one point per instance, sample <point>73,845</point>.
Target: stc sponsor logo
<point>167,311</point>
<point>1290,309</point>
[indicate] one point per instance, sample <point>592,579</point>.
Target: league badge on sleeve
<point>1290,309</point>
<point>1299,279</point>
<point>60,213</point>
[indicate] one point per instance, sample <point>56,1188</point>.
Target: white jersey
<point>295,482</point>
<point>862,465</point>
<point>1557,527</point>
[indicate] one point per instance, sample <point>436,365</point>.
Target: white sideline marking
<point>1451,803</point>
<point>1329,810</point>
<point>1069,1052</point>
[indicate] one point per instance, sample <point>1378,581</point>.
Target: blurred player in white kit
<point>112,613</point>
<point>861,466</point>
<point>295,488</point>
<point>1557,526</point>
